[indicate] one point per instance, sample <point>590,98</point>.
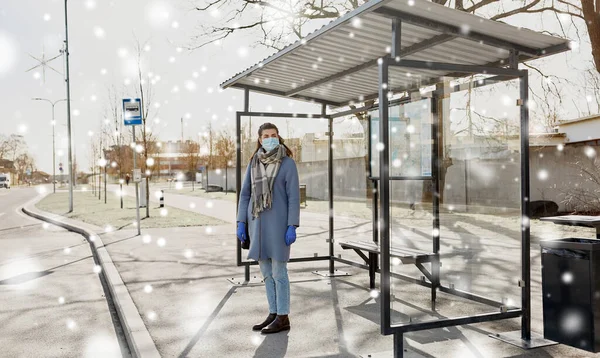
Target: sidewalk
<point>180,290</point>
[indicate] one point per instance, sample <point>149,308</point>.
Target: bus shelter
<point>436,101</point>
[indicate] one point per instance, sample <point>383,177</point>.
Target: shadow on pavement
<point>274,345</point>
<point>207,324</point>
<point>29,276</point>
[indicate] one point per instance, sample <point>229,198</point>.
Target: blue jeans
<point>277,283</point>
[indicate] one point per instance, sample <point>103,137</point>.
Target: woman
<point>270,207</point>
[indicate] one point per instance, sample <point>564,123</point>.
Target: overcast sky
<point>101,46</point>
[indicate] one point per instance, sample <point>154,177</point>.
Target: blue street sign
<point>132,111</point>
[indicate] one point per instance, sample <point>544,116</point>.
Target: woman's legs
<point>266,268</point>
<point>281,283</point>
<point>282,286</point>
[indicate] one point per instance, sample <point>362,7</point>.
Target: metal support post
<point>330,188</point>
<point>384,197</point>
<point>437,127</point>
<point>525,195</point>
<point>398,345</point>
<point>53,153</point>
<point>238,177</point>
<point>137,192</point>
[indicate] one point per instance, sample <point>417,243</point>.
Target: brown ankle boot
<point>270,318</point>
<point>281,323</point>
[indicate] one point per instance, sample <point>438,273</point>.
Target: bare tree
<point>208,140</point>
<point>584,195</point>
<point>224,149</point>
<point>191,149</point>
<point>12,146</point>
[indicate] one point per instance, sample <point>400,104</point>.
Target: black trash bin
<point>570,283</point>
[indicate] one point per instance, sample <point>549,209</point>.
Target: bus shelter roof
<point>337,64</point>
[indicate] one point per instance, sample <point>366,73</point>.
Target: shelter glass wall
<point>479,203</point>
<point>352,188</point>
<point>307,139</point>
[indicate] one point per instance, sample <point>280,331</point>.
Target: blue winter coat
<point>267,231</point>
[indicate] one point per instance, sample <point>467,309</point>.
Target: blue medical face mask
<point>270,143</point>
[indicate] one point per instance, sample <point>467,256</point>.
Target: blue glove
<point>241,231</point>
<point>290,235</point>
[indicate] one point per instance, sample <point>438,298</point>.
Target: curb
<point>138,338</point>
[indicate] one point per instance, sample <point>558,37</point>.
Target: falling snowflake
<point>192,205</point>
<point>47,17</point>
<point>543,174</point>
<point>90,4</point>
<point>97,269</point>
<point>146,239</point>
<point>71,325</point>
<point>374,293</point>
<point>161,242</point>
<point>67,250</point>
<point>164,212</point>
<point>148,288</point>
<point>45,226</point>
<point>209,230</point>
<point>257,339</point>
<point>151,315</point>
<point>61,300</point>
<point>209,204</point>
<point>99,32</point>
<point>567,278</point>
<point>589,152</point>
<point>188,254</point>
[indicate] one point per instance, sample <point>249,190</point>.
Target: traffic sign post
<point>132,116</point>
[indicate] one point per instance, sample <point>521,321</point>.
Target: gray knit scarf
<point>264,169</point>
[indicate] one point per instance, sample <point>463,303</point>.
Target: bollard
<point>162,198</point>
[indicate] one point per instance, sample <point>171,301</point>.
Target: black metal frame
<point>238,169</point>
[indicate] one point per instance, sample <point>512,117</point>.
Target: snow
<point>99,32</point>
<point>146,239</point>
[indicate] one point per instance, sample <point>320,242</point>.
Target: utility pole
<point>68,82</point>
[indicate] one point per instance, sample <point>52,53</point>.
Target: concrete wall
<point>489,183</point>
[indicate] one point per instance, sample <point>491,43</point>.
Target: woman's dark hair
<point>261,129</point>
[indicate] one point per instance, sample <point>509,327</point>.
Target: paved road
<point>53,304</point>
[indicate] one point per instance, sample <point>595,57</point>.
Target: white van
<point>4,181</point>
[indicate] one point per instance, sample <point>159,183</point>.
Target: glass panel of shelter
<point>479,203</point>
<point>308,141</point>
<point>352,189</point>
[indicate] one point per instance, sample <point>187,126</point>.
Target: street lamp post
<point>53,139</point>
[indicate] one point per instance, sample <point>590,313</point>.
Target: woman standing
<point>270,207</point>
